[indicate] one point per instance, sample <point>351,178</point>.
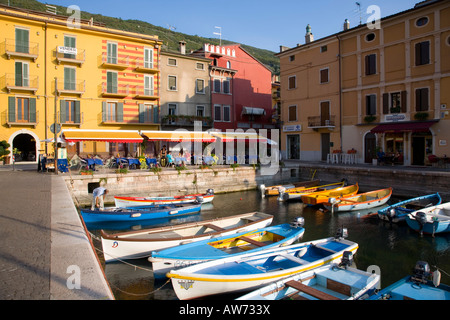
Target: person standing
<point>98,200</point>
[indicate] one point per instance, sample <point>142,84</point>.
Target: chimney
<point>182,47</point>
<point>283,48</point>
<point>346,25</point>
<point>309,37</point>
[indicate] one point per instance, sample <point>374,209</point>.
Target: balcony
<point>145,94</point>
<point>70,55</point>
<point>13,82</point>
<point>32,119</point>
<point>144,66</point>
<point>27,50</point>
<point>71,88</point>
<point>121,63</point>
<point>185,121</point>
<point>320,122</point>
<point>114,90</point>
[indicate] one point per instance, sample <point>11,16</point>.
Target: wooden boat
<point>254,270</point>
<point>275,190</point>
<point>140,244</point>
<point>330,282</point>
<point>139,213</point>
<point>360,201</point>
<point>397,212</point>
<point>126,202</point>
<point>430,220</point>
<point>320,197</point>
<point>422,285</point>
<point>226,246</point>
<point>297,193</point>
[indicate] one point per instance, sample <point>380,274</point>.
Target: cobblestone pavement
<point>25,218</point>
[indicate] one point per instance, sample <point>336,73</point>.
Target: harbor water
<point>391,249</point>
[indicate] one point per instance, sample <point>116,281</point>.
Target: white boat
<point>233,245</point>
<point>330,282</point>
<point>362,201</point>
<point>254,270</point>
<point>430,220</point>
<point>140,244</point>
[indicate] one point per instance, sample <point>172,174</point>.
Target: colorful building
<point>66,73</point>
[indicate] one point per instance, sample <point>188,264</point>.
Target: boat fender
<point>135,215</point>
<point>436,278</point>
<point>262,189</point>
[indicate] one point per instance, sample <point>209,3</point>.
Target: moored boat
<point>397,212</point>
<point>139,213</point>
<point>254,270</point>
<point>320,197</point>
<point>226,246</point>
<point>140,244</point>
<point>297,193</point>
<point>127,202</point>
<point>361,201</point>
<point>335,281</point>
<point>421,285</point>
<point>275,190</point>
<point>430,220</point>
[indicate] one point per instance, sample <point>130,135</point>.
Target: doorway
<point>325,140</point>
<point>25,146</point>
<point>422,146</point>
<point>293,147</point>
<point>370,145</point>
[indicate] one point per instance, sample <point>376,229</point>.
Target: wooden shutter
<point>22,38</point>
<point>104,111</point>
<point>403,101</point>
<point>141,113</point>
<point>18,74</point>
<point>385,103</point>
<point>32,110</point>
<point>11,109</point>
<point>155,114</point>
<point>62,111</point>
<point>77,112</point>
<point>119,117</point>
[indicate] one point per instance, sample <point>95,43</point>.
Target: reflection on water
<point>395,249</point>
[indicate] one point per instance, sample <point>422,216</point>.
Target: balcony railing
<point>21,49</point>
<point>185,121</point>
<point>78,87</point>
<point>145,66</point>
<point>114,62</point>
<point>30,119</point>
<point>321,122</point>
<point>144,93</point>
<point>114,90</point>
<point>78,58</point>
<point>20,83</point>
<point>77,119</point>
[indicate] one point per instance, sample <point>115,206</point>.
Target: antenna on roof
<point>51,9</point>
<point>359,10</point>
<point>219,34</point>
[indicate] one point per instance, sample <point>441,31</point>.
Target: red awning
<point>120,136</point>
<point>423,126</point>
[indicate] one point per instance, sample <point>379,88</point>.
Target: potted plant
<point>4,150</point>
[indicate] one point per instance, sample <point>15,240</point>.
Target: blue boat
<point>335,281</point>
<point>139,213</point>
<point>422,285</point>
<point>237,244</point>
<point>397,212</point>
<point>431,220</point>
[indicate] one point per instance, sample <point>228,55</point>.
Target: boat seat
<point>254,242</point>
<point>326,249</point>
<point>310,291</point>
<point>216,228</point>
<point>292,258</point>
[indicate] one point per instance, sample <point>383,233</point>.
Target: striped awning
<point>122,136</point>
<point>179,136</point>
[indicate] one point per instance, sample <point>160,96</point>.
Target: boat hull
<point>140,244</point>
<point>127,202</point>
<point>221,247</point>
<point>248,273</point>
<point>323,196</point>
<point>275,190</point>
<point>297,193</point>
<point>436,219</point>
<point>353,203</point>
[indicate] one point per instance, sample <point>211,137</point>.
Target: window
<point>70,111</point>
<point>172,83</point>
<point>112,111</point>
<point>395,102</point>
<point>422,53</point>
<point>70,42</point>
<point>146,113</point>
<point>226,114</point>
<point>22,78</point>
<point>148,58</point>
<point>226,86</point>
<point>217,85</point>
<point>172,109</point>
<point>323,49</point>
<point>421,21</point>
<point>292,116</point>
<point>200,111</point>
<point>111,82</point>
<point>229,64</point>
<point>370,37</point>
<point>292,82</point>
<point>22,40</point>
<point>172,62</point>
<point>200,66</point>
<point>422,103</point>
<point>21,109</point>
<point>217,112</point>
<point>200,86</point>
<point>111,53</point>
<point>371,105</point>
<point>291,58</point>
<point>69,78</point>
<point>324,75</point>
<point>371,64</point>
<point>148,85</point>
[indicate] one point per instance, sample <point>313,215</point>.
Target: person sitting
<point>381,156</point>
<point>98,199</point>
<point>170,160</point>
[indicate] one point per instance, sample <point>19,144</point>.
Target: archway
<point>26,145</point>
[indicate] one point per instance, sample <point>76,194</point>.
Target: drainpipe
<point>340,90</point>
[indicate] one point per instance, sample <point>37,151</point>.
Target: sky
<point>265,24</point>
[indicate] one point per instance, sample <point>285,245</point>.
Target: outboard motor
<point>421,218</point>
<point>262,189</point>
<point>391,214</point>
<point>342,233</point>
<point>298,222</point>
<point>281,194</point>
<point>199,199</point>
<point>210,191</point>
<point>421,272</point>
<point>347,259</point>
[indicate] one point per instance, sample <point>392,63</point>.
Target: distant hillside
<point>169,37</point>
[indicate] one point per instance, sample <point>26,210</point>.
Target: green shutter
<point>119,117</point>
<point>155,114</point>
<point>18,69</point>
<point>77,112</point>
<point>32,110</point>
<point>103,111</point>
<point>22,38</point>
<point>11,109</point>
<point>62,111</point>
<point>141,113</point>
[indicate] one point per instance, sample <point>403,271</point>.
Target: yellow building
<point>69,73</point>
<point>391,91</point>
